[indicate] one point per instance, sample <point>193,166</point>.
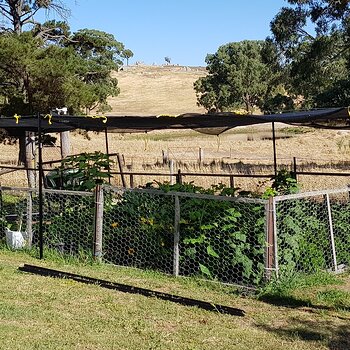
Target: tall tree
<point>240,74</point>
<point>43,65</point>
<point>127,54</point>
<point>19,13</point>
<point>314,39</point>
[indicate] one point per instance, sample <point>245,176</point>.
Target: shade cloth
<point>212,123</point>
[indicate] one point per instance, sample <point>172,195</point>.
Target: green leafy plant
<point>81,172</point>
<point>282,183</point>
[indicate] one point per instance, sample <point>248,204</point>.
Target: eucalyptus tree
<point>313,37</point>
<point>240,75</point>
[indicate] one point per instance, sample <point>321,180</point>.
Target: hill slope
<point>146,90</point>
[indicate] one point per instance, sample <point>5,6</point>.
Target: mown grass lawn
<point>45,313</point>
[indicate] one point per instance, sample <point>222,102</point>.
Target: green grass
<point>45,313</point>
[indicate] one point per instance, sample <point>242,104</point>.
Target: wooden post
<point>29,157</point>
<point>232,181</point>
<point>98,224</point>
<point>179,177</point>
<point>120,163</point>
<point>200,156</point>
<point>64,136</point>
<point>131,180</point>
<point>295,168</point>
<point>171,169</point>
<point>65,144</point>
<point>165,157</point>
<point>176,262</point>
<point>274,148</point>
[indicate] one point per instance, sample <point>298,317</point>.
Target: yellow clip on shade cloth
<point>49,117</point>
<point>17,117</point>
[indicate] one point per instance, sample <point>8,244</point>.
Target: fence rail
<point>233,240</point>
<point>12,175</point>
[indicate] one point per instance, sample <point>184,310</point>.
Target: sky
<point>183,30</point>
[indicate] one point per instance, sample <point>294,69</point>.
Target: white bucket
<point>14,239</point>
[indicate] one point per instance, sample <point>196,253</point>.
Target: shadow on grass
<point>294,303</point>
<point>334,334</point>
<point>336,337</point>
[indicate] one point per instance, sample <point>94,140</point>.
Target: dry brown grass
<point>156,90</point>
<point>149,90</point>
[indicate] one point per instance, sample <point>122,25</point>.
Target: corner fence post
<point>98,223</point>
<point>271,244</point>
<point>176,258</point>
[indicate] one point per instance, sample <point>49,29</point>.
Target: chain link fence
<point>232,240</point>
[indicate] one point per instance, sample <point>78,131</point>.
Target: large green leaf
<point>212,252</point>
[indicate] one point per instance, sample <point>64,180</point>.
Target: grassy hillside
<point>46,313</point>
<point>147,90</point>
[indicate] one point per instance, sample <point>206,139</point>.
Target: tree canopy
<point>240,75</point>
<point>314,42</point>
<point>47,66</point>
<point>305,63</point>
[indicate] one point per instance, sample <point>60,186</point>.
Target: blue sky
<point>184,30</point>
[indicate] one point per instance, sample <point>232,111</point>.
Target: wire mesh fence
<point>138,229</point>
<point>228,239</point>
<point>313,231</point>
<point>186,234</point>
<point>68,219</point>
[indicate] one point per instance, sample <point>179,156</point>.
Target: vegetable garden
<point>189,231</point>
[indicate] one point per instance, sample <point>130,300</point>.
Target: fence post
<point>176,236</point>
<point>295,169</point>
<point>171,170</point>
<point>165,156</point>
<point>120,163</point>
<point>331,232</point>
<point>179,177</point>
<point>232,181</point>
<point>200,156</point>
<point>29,218</point>
<point>98,224</point>
<point>271,241</point>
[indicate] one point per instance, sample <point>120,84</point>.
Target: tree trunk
<point>27,155</point>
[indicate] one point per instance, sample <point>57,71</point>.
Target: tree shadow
<point>336,335</point>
